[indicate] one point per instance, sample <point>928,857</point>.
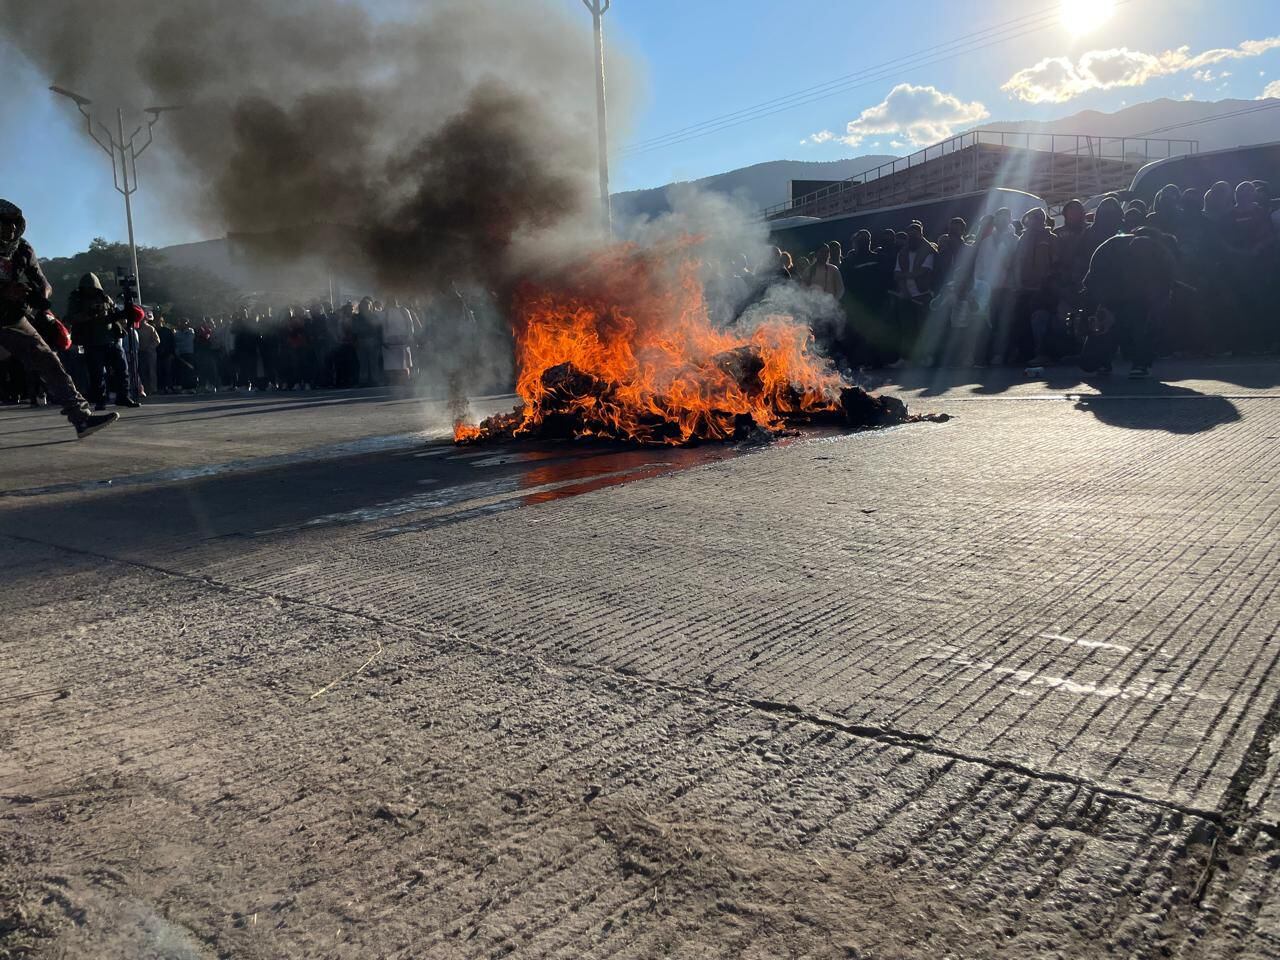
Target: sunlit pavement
<point>1006,685</point>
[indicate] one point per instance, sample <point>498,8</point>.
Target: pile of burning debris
<point>626,350</point>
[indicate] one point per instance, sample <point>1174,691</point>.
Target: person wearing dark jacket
<point>96,327</point>
<point>24,293</point>
<point>1130,278</point>
<point>1107,221</point>
<point>166,357</point>
<point>1166,211</point>
<point>863,271</point>
<point>319,334</point>
<point>245,341</point>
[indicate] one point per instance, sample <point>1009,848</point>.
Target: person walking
<point>24,291</point>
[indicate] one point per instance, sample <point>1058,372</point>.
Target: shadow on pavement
<point>42,443</point>
<point>1253,374</point>
<point>1157,406</point>
<point>412,488</point>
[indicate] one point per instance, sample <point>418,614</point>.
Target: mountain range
<point>757,186</point>
<point>764,184</point>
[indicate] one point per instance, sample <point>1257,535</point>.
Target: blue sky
<point>697,59</point>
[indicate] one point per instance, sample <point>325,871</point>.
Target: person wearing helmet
<point>24,295</point>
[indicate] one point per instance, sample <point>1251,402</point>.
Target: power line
<point>868,81</point>
<point>1243,112</point>
<point>857,74</point>
<point>830,89</point>
<point>938,53</point>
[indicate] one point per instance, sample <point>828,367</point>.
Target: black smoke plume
<point>433,141</point>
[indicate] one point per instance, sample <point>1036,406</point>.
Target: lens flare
<point>1084,16</point>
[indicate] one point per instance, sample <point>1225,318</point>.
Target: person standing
<point>320,341</point>
<point>867,335</point>
<point>24,291</point>
<point>1035,258</point>
<point>167,357</point>
<point>993,255</point>
<point>269,339</point>
<point>184,345</point>
<point>129,343</point>
<point>1130,279</point>
<point>148,344</point>
<point>97,328</point>
<point>825,275</point>
<point>913,275</point>
<point>245,349</point>
<point>206,357</point>
<point>397,339</point>
<point>365,327</point>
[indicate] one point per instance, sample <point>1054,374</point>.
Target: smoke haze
<point>441,145</point>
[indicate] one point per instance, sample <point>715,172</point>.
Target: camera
<point>128,312</point>
<point>128,287</point>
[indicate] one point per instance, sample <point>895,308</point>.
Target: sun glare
<point>1083,16</point>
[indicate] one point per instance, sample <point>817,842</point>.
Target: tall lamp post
<point>124,158</point>
<point>598,9</point>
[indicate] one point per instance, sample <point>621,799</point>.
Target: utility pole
<point>598,9</point>
<point>124,159</point>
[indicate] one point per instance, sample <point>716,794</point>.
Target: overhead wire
<point>1243,112</point>
<point>847,78</point>
<point>975,42</point>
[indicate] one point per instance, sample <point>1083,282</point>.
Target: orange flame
<point>626,349</point>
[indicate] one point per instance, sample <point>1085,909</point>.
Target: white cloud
<point>1208,76</point>
<point>914,115</point>
<point>1058,79</point>
<point>1271,90</point>
<point>822,136</point>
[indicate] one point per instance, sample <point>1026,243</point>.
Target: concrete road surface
<point>291,676</point>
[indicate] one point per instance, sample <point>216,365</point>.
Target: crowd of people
<point>1196,274</point>
<point>102,352</point>
<point>115,357</point>
<point>1203,280</point>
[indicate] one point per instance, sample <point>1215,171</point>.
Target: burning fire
<point>625,349</point>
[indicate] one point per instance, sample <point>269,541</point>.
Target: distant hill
<point>760,185</point>
<point>1259,127</point>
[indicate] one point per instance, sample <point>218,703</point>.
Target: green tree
<point>176,291</point>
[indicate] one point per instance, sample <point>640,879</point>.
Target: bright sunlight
<point>1084,16</point>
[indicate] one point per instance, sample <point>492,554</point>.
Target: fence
<point>1053,166</point>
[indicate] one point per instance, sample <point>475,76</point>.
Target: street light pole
<point>128,191</point>
<point>598,9</point>
<point>124,159</point>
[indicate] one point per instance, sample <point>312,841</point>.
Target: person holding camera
<point>24,298</point>
<point>98,326</point>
